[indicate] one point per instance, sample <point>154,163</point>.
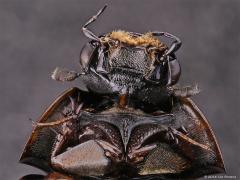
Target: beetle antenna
<point>89,33</point>
<point>62,74</point>
<point>176,44</point>
<point>186,91</point>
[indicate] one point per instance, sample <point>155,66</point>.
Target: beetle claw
<point>75,109</point>
<point>176,141</point>
<point>78,110</point>
<point>172,135</point>
<point>72,103</point>
<point>183,129</point>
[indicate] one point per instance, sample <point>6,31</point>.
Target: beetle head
<point>143,54</point>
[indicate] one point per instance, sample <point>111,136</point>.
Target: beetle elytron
<point>133,122</point>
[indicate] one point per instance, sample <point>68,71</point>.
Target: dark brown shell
<point>196,154</point>
<point>38,150</point>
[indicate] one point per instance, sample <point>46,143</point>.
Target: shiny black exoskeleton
<point>133,122</point>
<point>128,63</point>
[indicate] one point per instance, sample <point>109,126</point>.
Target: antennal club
<point>89,33</point>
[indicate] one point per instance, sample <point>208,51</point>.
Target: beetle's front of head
<point>134,55</point>
<point>130,58</point>
<point>123,59</point>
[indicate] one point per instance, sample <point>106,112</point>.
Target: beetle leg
<point>62,74</point>
<point>111,151</point>
<point>186,91</point>
<point>67,128</point>
<point>89,33</point>
<point>73,103</point>
<point>183,129</point>
<point>56,123</point>
<point>176,41</point>
<point>172,135</point>
<point>57,145</point>
<point>190,141</point>
<point>75,110</point>
<point>78,110</point>
<point>50,124</point>
<point>63,139</point>
<point>40,125</point>
<point>139,154</point>
<point>181,138</point>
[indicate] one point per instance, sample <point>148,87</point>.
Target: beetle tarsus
<point>79,108</point>
<point>57,122</point>
<point>171,132</point>
<point>75,109</point>
<point>62,74</point>
<point>73,103</point>
<point>183,129</point>
<point>139,154</point>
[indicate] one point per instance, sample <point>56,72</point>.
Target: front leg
<point>138,155</point>
<point>184,92</point>
<point>185,143</point>
<point>146,138</point>
<point>65,128</point>
<point>94,80</point>
<point>172,133</point>
<point>111,151</point>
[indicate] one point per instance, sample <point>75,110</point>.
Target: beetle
<point>132,122</point>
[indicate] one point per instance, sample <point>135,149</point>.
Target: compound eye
<point>86,55</point>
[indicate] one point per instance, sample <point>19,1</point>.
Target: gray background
<point>38,35</point>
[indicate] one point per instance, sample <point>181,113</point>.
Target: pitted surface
<point>131,58</point>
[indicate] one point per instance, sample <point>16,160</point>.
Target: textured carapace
<point>125,61</point>
<point>159,64</point>
<point>131,123</point>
